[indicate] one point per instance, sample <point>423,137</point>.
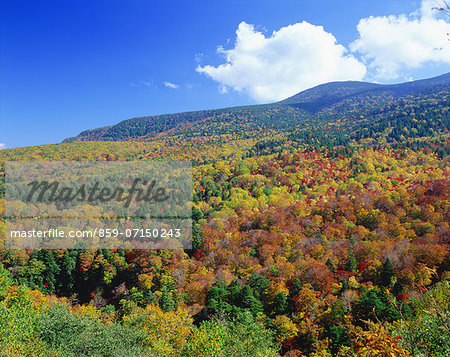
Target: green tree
<point>386,274</point>
<point>248,300</point>
<point>259,284</point>
<point>351,263</point>
<point>330,266</point>
<point>378,305</point>
<point>166,302</point>
<point>279,305</point>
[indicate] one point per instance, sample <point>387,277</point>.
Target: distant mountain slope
<point>356,109</point>
<point>328,94</point>
<point>325,95</point>
<point>215,122</point>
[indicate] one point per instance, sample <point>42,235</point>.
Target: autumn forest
<point>320,228</point>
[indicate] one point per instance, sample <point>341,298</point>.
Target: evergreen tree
<point>339,337</point>
<point>259,284</point>
<point>378,305</point>
<point>351,263</point>
<point>248,300</point>
<point>330,266</point>
<point>216,295</point>
<point>166,302</point>
<point>279,305</point>
<point>386,274</point>
<point>295,287</point>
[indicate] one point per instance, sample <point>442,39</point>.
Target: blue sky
<point>67,66</point>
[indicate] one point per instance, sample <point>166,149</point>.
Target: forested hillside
<point>321,228</point>
<point>350,110</point>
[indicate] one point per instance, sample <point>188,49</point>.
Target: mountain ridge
<point>311,107</point>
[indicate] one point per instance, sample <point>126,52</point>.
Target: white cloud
<point>390,45</point>
<point>199,57</point>
<point>294,58</point>
<point>148,84</point>
<point>171,85</point>
<point>2,146</point>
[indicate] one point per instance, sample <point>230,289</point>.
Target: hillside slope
<point>299,248</point>
<point>356,109</point>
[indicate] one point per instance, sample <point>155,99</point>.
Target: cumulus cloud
<point>389,45</point>
<point>292,59</point>
<point>171,85</point>
<point>2,146</point>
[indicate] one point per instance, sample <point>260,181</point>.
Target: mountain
<point>326,95</point>
<point>315,220</point>
<point>350,110</point>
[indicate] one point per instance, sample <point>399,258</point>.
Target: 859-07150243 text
<point>101,233</point>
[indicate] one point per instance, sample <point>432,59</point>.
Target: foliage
<point>378,342</point>
<point>428,332</point>
<point>320,227</point>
